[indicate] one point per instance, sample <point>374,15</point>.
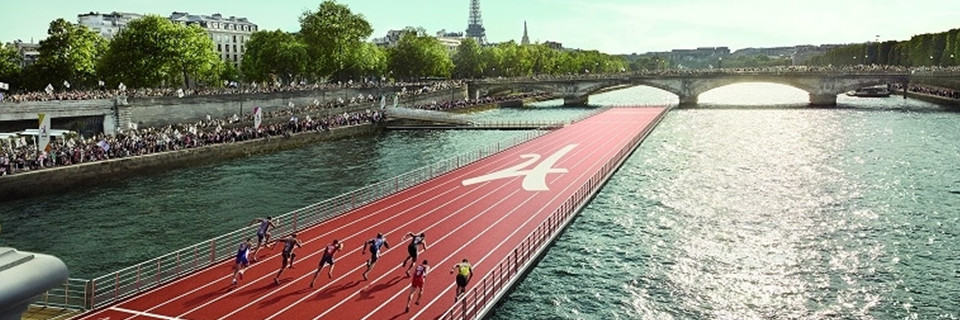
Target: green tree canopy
<point>418,55</point>
<point>153,51</point>
<point>272,54</point>
<point>932,49</point>
<point>70,52</point>
<point>10,62</point>
<point>333,35</point>
<point>468,61</point>
<point>367,61</point>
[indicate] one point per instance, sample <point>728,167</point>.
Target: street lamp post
<point>720,63</point>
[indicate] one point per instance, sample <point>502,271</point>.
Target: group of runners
<point>463,270</point>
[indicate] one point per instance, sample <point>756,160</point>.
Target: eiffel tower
<point>475,24</point>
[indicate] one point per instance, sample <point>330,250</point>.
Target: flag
<point>66,84</point>
<point>180,93</point>
<point>383,102</point>
<point>290,104</point>
<point>49,89</point>
<point>1,96</point>
<point>257,117</point>
<point>4,86</point>
<point>104,145</point>
<point>122,87</point>
<point>43,138</point>
<point>100,83</point>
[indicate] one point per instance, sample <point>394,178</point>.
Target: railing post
<point>157,275</point>
<point>213,250</point>
<point>116,285</point>
<point>93,293</point>
<point>138,277</point>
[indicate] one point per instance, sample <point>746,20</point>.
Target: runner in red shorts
<point>419,274</point>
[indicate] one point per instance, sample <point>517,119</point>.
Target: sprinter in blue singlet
<point>374,245</point>
<point>241,260</point>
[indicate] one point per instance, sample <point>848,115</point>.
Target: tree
<point>491,59</point>
<point>332,33</point>
<point>272,54</point>
<point>70,53</point>
<point>418,55</point>
<point>10,61</point>
<point>468,61</point>
<point>153,51</point>
<point>367,61</point>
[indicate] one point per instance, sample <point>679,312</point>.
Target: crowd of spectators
<point>229,89</point>
<point>16,157</point>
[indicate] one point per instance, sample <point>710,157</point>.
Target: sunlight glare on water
<point>765,212</point>
<point>754,94</point>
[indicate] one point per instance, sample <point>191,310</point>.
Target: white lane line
<point>144,314</point>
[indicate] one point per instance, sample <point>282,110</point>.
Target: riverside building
<point>229,34</point>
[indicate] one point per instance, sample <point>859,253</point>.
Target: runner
<point>375,245</point>
<point>288,243</point>
<point>241,260</point>
<point>419,274</point>
<point>263,233</point>
<point>412,249</point>
<point>327,258</point>
<point>464,274</point>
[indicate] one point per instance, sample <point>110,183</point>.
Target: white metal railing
<point>110,288</point>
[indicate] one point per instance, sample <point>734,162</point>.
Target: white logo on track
<point>534,179</point>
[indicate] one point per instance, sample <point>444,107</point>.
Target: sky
<point>612,26</point>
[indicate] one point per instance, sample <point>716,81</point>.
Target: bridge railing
<point>112,287</point>
<point>476,302</point>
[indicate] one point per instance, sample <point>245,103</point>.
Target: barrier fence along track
<point>476,302</point>
<point>112,287</point>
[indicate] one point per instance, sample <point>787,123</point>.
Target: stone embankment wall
<point>54,180</point>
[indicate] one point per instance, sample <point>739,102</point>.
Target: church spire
<point>526,39</point>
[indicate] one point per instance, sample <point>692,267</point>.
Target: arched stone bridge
<point>822,87</point>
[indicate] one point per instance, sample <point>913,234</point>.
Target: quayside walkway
<point>500,211</point>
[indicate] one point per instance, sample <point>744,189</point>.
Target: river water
<point>748,207</point>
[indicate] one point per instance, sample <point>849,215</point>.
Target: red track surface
<point>481,222</point>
